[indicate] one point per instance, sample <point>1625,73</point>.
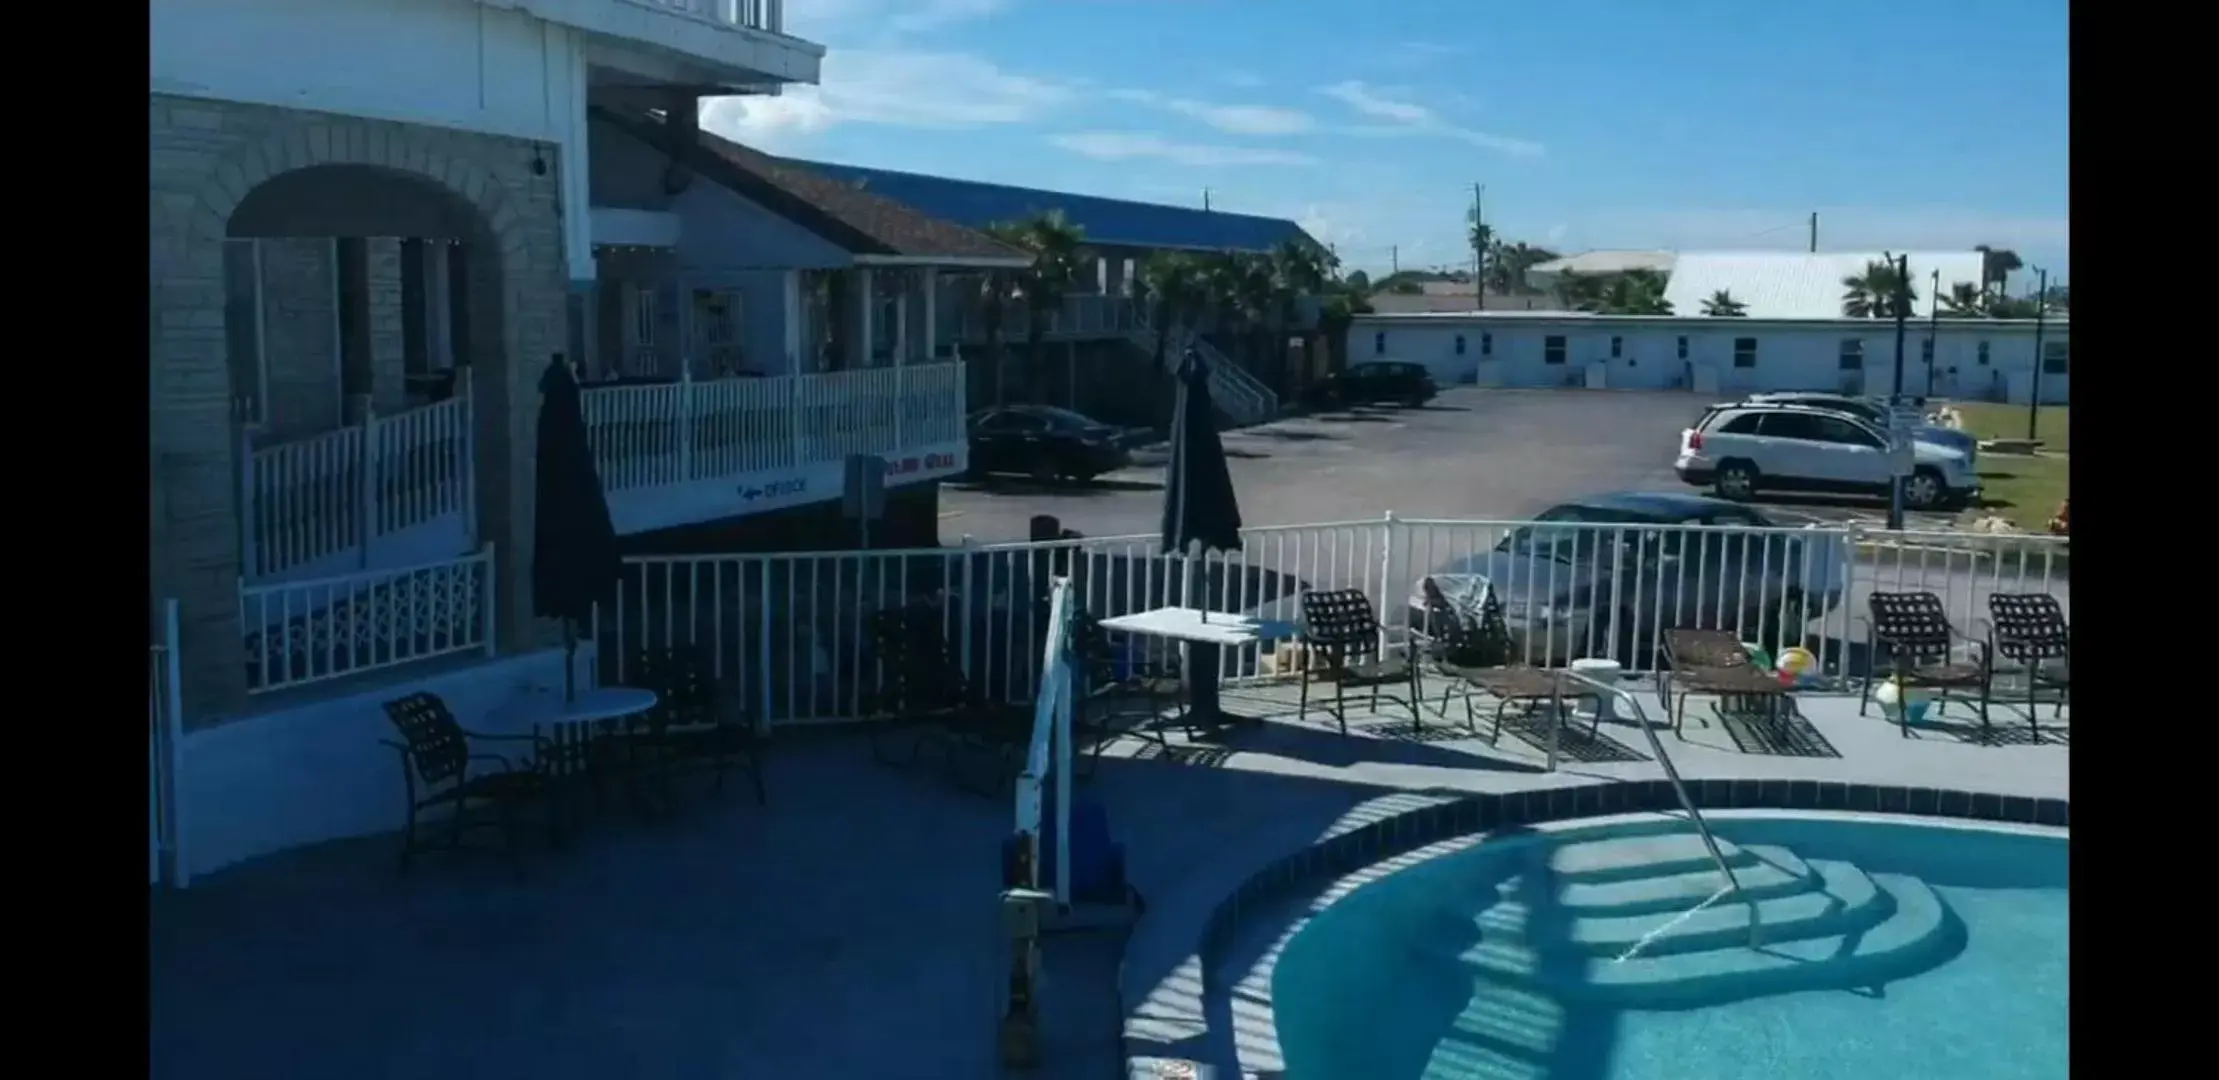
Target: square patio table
<point>1205,634</point>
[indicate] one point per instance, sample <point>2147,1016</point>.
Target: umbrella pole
<point>569,662</point>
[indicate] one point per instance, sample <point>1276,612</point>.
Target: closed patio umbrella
<point>575,564</point>
<point>1199,511</point>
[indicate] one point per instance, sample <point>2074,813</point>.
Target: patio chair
<point>437,759</point>
<point>1699,661</point>
<point>1341,637</point>
<point>1911,641</point>
<point>1117,679</point>
<point>693,723</point>
<point>2029,629</point>
<point>1470,658</point>
<point>927,690</point>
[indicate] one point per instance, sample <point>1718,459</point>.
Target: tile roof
<point>862,222</point>
<point>1106,221</point>
<point>1795,285</point>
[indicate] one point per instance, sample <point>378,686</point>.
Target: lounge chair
<point>1343,644</point>
<point>2030,630</point>
<point>694,722</point>
<point>1715,662</point>
<point>1911,641</point>
<point>1456,648</point>
<point>928,691</point>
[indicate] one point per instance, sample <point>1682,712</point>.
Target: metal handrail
<point>1671,773</point>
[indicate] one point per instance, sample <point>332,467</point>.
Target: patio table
<point>1205,634</point>
<point>572,726</point>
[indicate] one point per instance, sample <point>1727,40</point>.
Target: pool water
<point>1890,948</point>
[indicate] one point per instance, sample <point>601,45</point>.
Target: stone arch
<point>210,160</point>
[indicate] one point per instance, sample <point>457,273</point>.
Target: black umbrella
<point>575,564</point>
<point>1199,511</point>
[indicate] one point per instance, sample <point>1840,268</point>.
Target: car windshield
<point>1569,533</point>
<point>1063,419</point>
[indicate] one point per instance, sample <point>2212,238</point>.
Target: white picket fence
<point>302,632</point>
<point>338,493</point>
<point>165,740</point>
<point>792,628</point>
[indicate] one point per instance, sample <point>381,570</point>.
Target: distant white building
<point>1792,336</point>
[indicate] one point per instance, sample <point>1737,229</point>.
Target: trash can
<point>1607,673</point>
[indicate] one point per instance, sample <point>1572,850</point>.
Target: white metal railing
<point>340,492</point>
<point>1048,755</point>
<point>766,15</point>
<point>165,740</point>
<point>791,626</point>
<point>668,433</point>
<point>301,632</point>
<point>1241,395</point>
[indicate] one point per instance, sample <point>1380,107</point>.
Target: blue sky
<point>1687,124</point>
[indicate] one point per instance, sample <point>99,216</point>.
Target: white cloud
<point>813,19</point>
<point>1406,119</point>
<point>1233,119</point>
<point>893,87</point>
<point>1124,146</point>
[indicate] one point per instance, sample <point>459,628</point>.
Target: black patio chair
<point>928,692</point>
<point>1118,680</point>
<point>1342,643</point>
<point>2029,629</point>
<point>437,755</point>
<point>694,723</point>
<point>1473,659</point>
<point>1909,639</point>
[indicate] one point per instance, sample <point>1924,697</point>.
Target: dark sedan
<point>1374,382</point>
<point>1049,444</point>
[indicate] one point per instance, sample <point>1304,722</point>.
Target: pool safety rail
<point>1584,685</point>
<point>790,630</point>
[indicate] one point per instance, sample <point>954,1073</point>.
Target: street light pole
<point>2034,385</point>
<point>1933,325</point>
<point>1895,396</point>
<point>1479,247</point>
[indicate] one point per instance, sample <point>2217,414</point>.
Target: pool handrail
<point>1598,688</point>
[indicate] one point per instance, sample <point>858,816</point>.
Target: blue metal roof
<point>1106,221</point>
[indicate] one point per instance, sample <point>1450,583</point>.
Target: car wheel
<point>1737,480</point>
<point>1924,490</point>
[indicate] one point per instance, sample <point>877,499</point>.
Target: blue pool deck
<point>848,928</point>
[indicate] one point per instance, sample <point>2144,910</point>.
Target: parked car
<point>1372,382</point>
<point>1607,575</point>
<point>1876,414</point>
<point>1048,443</point>
<point>1750,447</point>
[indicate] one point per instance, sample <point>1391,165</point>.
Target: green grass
<point>2023,489</point>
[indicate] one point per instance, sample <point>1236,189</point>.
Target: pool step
<point>1624,858</point>
<point>1769,872</point>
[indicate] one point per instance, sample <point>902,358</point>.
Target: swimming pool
<point>1890,947</point>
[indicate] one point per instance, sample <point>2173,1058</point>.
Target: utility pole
<point>2034,386</point>
<point>1933,324</point>
<point>1205,200</point>
<point>1814,232</point>
<point>1394,259</point>
<point>1479,247</point>
<point>1895,399</point>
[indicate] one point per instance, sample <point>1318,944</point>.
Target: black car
<point>1048,444</point>
<point>1374,382</point>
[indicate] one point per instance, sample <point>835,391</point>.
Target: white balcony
<point>740,44</point>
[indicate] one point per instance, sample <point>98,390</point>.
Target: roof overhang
<point>947,262</point>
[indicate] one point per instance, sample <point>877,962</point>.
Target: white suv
<point>1744,448</point>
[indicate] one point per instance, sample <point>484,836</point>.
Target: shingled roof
<point>859,221</point>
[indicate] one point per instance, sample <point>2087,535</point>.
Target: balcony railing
<point>765,15</point>
<point>1080,317</point>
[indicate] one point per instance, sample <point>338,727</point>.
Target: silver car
<point>1606,576</point>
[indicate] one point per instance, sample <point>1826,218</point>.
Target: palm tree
<point>1965,300</point>
<point>1337,311</point>
<point>1996,265</point>
<point>1579,292</point>
<point>1257,293</point>
<point>1508,262</point>
<point>1723,305</point>
<point>1174,286</point>
<point>1872,293</point>
<point>1055,247</point>
<point>1298,269</point>
<point>1635,292</point>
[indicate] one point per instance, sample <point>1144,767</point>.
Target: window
<point>1459,344</point>
<point>643,315</point>
<point>2055,357</point>
<point>1980,354</point>
<point>1787,425</point>
<point>1617,347</point>
<point>1552,349</point>
<point>242,327</point>
<point>1486,344</point>
<point>1745,352</point>
<point>1745,424</point>
<point>1852,354</point>
<point>1926,351</point>
<point>1379,344</point>
<point>1834,429</point>
<point>1682,348</point>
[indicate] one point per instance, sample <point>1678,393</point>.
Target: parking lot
<point>1471,454</point>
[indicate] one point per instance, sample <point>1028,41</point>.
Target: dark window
<point>1379,344</point>
<point>1980,354</point>
<point>1745,352</point>
<point>1852,354</point>
<point>1787,425</point>
<point>1745,424</point>
<point>2055,357</point>
<point>1552,349</point>
<point>1683,348</point>
<point>1834,429</point>
<point>1617,347</point>
<point>1486,344</point>
<point>1926,351</point>
<point>1459,344</point>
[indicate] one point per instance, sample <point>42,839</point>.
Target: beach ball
<point>1895,697</point>
<point>1797,662</point>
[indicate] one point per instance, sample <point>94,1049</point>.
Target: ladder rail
<point>1598,689</point>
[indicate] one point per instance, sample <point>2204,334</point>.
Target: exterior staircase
<point>1241,397</point>
<point>1638,921</point>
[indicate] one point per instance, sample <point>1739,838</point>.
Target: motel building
<point>1792,337</point>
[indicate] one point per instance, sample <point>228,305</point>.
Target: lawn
<point>2024,489</point>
